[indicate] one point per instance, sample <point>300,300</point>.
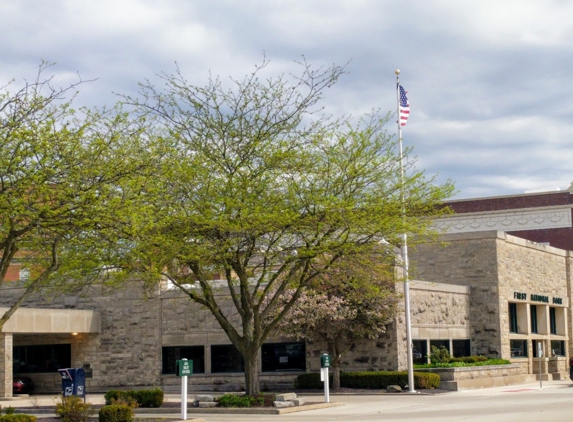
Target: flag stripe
<point>404,107</point>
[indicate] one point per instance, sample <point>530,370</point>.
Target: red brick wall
<point>511,202</point>
<point>560,238</point>
<point>13,273</point>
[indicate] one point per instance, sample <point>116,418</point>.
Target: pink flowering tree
<point>341,310</point>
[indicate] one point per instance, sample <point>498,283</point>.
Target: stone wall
<point>467,260</point>
<point>499,269</point>
<point>127,352</point>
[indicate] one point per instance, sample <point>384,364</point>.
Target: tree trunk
<point>335,360</point>
<point>251,372</point>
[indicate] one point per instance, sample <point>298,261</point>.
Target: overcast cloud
<point>489,82</point>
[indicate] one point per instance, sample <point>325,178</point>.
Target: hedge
<point>17,418</point>
<point>371,380</point>
<point>145,398</point>
<point>116,413</point>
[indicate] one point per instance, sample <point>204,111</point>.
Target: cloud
<point>489,82</point>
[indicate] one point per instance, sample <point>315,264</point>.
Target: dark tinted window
<point>420,351</point>
<point>533,315</point>
<point>283,357</point>
<point>171,355</point>
<point>518,348</point>
<point>226,358</point>
<point>461,348</point>
<point>42,358</point>
<point>552,321</point>
<point>440,343</point>
<point>513,317</point>
<point>557,348</point>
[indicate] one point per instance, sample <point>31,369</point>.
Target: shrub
<point>234,400</point>
<point>372,380</point>
<point>17,418</point>
<point>144,398</point>
<point>478,361</point>
<point>125,401</point>
<point>441,355</point>
<point>116,413</point>
<point>310,381</point>
<point>73,409</point>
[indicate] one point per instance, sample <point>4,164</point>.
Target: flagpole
<point>411,388</point>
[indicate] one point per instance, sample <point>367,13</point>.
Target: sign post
<point>324,365</point>
<point>540,357</point>
<point>184,368</point>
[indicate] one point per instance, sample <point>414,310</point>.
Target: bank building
<point>497,284</point>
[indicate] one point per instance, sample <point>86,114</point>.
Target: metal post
<point>540,357</point>
<point>326,386</point>
<point>184,397</point>
<point>409,354</point>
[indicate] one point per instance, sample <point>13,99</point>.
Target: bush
<point>144,398</point>
<point>9,410</point>
<point>372,380</point>
<point>441,355</point>
<point>465,362</point>
<point>310,381</point>
<point>73,409</point>
<point>17,418</point>
<point>116,413</point>
<point>234,400</point>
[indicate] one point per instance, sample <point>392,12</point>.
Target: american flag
<point>404,107</point>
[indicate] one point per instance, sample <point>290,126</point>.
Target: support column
<point>6,365</point>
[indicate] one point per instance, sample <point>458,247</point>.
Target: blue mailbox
<point>73,382</point>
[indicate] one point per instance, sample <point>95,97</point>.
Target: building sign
<point>540,298</point>
<point>537,298</point>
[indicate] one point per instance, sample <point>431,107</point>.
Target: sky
<point>489,82</point>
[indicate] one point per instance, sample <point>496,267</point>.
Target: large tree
<point>61,177</point>
<point>265,189</point>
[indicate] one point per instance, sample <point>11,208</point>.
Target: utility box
<point>73,382</point>
<point>325,361</point>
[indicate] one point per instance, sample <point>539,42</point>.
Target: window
<point>170,356</point>
<point>420,351</point>
<point>439,344</point>
<point>533,316</point>
<point>226,358</point>
<point>557,348</point>
<point>24,274</point>
<point>283,357</point>
<point>42,358</point>
<point>535,344</point>
<point>461,348</point>
<point>513,318</point>
<point>518,348</point>
<point>552,321</point>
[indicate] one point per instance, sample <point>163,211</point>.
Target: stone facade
<point>468,285</point>
<point>501,269</point>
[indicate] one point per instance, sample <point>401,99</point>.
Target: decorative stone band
<point>507,220</point>
<point>45,320</point>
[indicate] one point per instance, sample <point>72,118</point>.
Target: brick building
<point>544,217</point>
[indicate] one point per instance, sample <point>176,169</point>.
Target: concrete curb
<point>262,410</point>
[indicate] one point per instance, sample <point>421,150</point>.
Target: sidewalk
<point>492,404</point>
